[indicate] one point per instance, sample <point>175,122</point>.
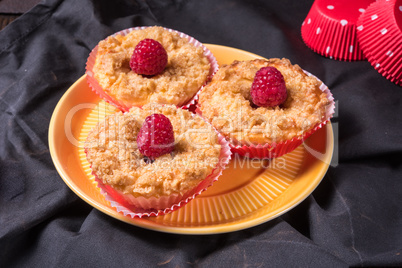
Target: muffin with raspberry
<point>156,159</point>
<point>265,108</point>
<point>149,64</point>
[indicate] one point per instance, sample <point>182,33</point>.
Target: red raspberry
<point>149,57</point>
<point>268,88</point>
<point>156,136</point>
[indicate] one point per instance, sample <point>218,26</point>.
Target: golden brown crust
<point>187,69</point>
<point>115,159</point>
<point>226,102</point>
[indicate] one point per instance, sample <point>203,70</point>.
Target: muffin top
<point>226,102</point>
<point>186,71</point>
<point>115,159</point>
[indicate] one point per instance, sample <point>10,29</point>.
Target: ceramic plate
<point>248,193</point>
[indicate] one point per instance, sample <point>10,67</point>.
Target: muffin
<point>149,184</point>
<point>264,132</point>
<point>109,69</point>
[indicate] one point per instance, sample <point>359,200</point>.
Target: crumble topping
<point>115,159</point>
<point>226,102</point>
<point>186,71</point>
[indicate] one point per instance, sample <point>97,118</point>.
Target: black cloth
<point>353,218</point>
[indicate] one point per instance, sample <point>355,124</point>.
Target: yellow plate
<point>248,193</point>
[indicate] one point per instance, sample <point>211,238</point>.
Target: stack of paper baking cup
<point>330,28</point>
<point>380,37</point>
<point>357,30</point>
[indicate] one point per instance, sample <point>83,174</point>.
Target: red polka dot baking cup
<point>380,37</point>
<point>187,104</point>
<point>330,28</point>
<point>272,150</point>
<point>139,207</point>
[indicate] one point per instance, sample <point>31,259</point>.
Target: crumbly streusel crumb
<point>187,69</point>
<point>115,159</point>
<point>226,102</point>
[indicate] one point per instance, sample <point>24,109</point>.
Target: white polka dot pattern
<point>330,29</point>
<point>380,38</point>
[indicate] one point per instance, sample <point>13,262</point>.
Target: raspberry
<point>149,58</point>
<point>156,136</point>
<point>268,88</point>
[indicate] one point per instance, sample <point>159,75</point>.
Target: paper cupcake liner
<point>330,28</point>
<point>146,207</point>
<point>268,151</point>
<point>94,85</point>
<point>380,37</point>
<point>273,150</point>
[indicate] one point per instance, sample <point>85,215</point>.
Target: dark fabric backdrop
<point>353,218</point>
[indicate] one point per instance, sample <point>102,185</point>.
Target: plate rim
<point>196,230</point>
